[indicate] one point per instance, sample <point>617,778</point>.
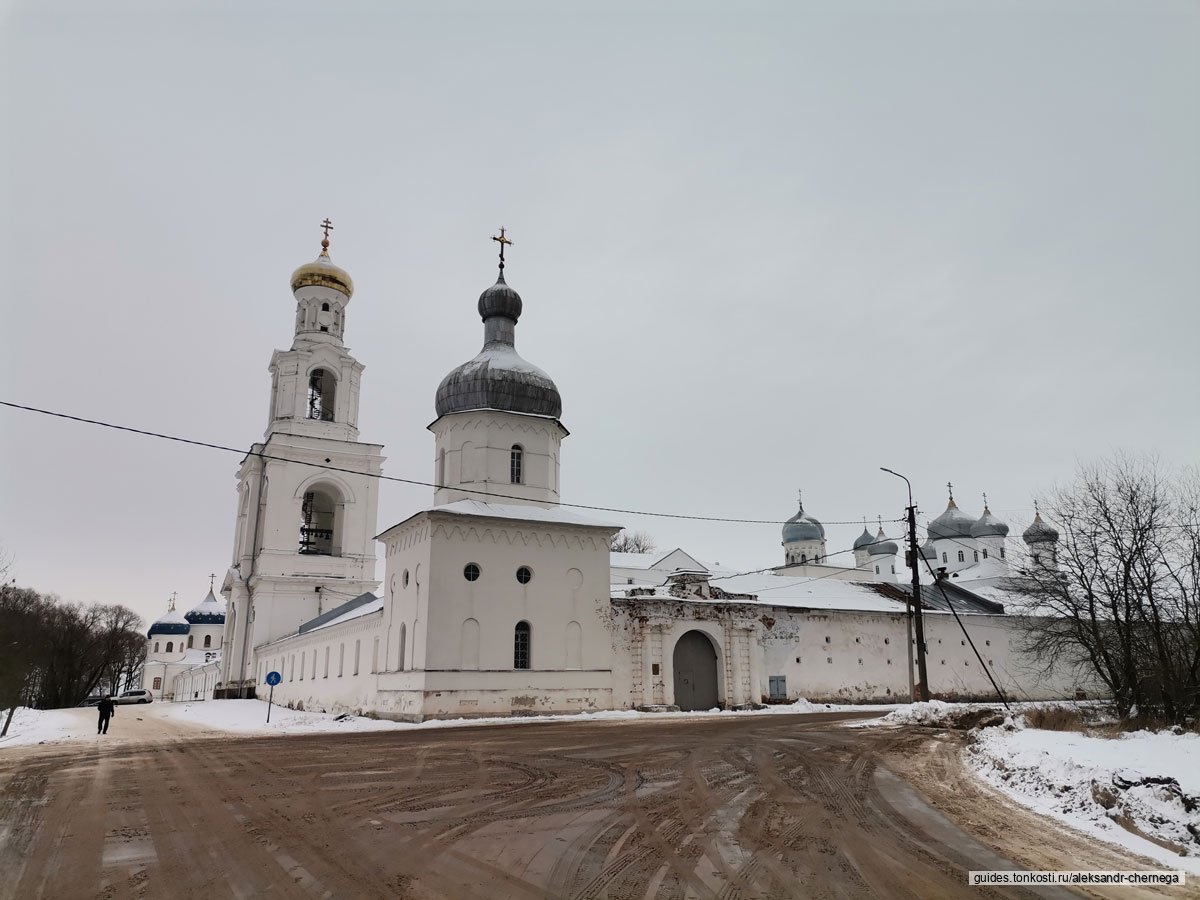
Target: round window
<point>406,577</point>
<point>524,575</point>
<point>471,572</point>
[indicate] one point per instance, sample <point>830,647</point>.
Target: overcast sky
<point>761,247</point>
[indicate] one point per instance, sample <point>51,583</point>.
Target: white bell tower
<point>304,540</point>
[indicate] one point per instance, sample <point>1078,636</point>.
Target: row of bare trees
<point>1123,601</point>
<point>55,654</point>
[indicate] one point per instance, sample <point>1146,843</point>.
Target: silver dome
<point>953,523</point>
<point>882,546</point>
<point>864,540</point>
<point>928,551</point>
<point>802,527</point>
<point>498,378</point>
<point>1039,532</point>
<point>989,526</point>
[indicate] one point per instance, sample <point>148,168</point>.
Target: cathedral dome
<point>953,523</point>
<point>170,622</point>
<point>865,539</point>
<point>989,526</point>
<point>928,551</point>
<point>321,272</point>
<point>881,546</point>
<point>498,377</point>
<point>1039,532</point>
<point>802,527</point>
<point>209,611</point>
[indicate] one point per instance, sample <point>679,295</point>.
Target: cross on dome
<point>950,489</point>
<point>502,241</point>
<point>326,226</point>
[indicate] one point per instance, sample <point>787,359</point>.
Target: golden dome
<point>321,272</point>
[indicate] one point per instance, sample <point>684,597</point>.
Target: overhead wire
<point>394,478</point>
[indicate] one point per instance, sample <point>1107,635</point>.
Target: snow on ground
<point>38,726</point>
<point>1145,779</point>
<point>248,717</point>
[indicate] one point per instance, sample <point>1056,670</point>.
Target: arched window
<point>156,646</point>
<point>944,558</point>
<point>803,558</point>
<point>877,570</point>
<point>317,521</point>
<point>170,646</point>
<point>516,465</point>
<point>158,684</point>
<point>189,642</point>
<point>985,552</point>
<point>1002,553</point>
<point>521,646</point>
<point>961,556</point>
<point>441,467</point>
<point>403,634</point>
<point>976,556</point>
<point>322,392</point>
<point>207,641</point>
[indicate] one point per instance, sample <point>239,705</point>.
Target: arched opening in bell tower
<point>319,521</point>
<point>322,395</point>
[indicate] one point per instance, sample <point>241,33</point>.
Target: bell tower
<point>304,538</point>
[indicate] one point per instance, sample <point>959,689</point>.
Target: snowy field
<point>248,717</point>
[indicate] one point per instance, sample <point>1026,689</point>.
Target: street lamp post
<point>914,605</point>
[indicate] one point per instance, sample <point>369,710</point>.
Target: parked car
<point>92,701</point>
<point>135,697</point>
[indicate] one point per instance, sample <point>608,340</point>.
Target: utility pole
<point>914,609</point>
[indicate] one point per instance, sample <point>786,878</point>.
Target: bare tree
<point>633,542</point>
<point>1122,600</point>
<point>54,653</point>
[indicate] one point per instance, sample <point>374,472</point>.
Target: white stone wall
<point>474,450</point>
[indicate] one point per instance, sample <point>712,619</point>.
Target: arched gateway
<point>695,663</point>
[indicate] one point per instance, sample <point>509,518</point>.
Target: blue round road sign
<point>273,678</point>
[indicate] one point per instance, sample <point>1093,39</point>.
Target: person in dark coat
<point>107,710</point>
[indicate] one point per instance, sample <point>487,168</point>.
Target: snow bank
<point>38,726</point>
<point>1135,790</point>
<point>249,717</point>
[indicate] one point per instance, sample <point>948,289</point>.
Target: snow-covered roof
<point>170,622</point>
<point>555,515</point>
<point>362,605</point>
<point>828,593</point>
<point>209,611</point>
<point>199,657</point>
<point>632,560</point>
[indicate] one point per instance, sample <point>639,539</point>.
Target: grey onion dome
<point>881,546</point>
<point>209,611</point>
<point>1039,532</point>
<point>802,527</point>
<point>988,526</point>
<point>864,540</point>
<point>498,378</point>
<point>171,622</point>
<point>953,523</point>
<point>927,550</point>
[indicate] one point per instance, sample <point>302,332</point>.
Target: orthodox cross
<point>880,518</point>
<point>502,241</point>
<point>950,488</point>
<point>174,594</point>
<point>327,227</point>
<point>211,578</point>
<point>985,499</point>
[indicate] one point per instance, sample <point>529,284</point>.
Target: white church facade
<point>496,599</point>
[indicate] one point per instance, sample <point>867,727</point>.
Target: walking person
<point>107,710</point>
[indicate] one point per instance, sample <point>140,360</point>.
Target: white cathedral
<point>498,600</point>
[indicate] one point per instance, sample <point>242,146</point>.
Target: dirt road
<point>780,806</point>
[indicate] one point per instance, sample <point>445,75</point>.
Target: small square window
<point>988,643</point>
<point>889,662</point>
<point>797,659</point>
<point>943,662</point>
<point>827,639</point>
<point>887,640</point>
<point>654,669</point>
<point>829,659</point>
<point>858,640</point>
<point>860,661</point>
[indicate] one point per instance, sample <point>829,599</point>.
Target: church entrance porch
<point>695,672</point>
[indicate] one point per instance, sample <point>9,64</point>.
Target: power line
<point>410,481</point>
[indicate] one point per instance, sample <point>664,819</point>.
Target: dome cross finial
<point>174,594</point>
<point>211,578</point>
<point>327,227</point>
<point>950,489</point>
<point>985,503</point>
<point>502,241</point>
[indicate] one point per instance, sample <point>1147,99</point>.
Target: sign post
<point>273,678</point>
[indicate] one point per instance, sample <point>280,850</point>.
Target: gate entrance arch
<point>695,664</point>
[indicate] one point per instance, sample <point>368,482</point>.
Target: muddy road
<point>777,806</point>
